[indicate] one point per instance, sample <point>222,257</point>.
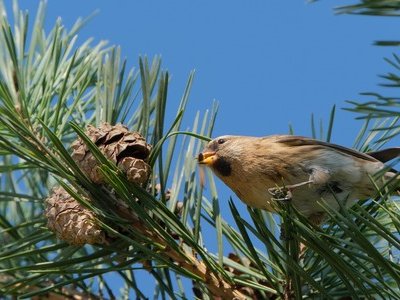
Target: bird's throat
<point>223,167</point>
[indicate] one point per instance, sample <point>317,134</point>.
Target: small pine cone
<point>128,150</point>
<point>70,221</point>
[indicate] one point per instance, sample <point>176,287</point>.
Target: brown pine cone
<point>71,221</point>
<point>128,150</point>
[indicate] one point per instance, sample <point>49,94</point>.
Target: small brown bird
<point>261,169</point>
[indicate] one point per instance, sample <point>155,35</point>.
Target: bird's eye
<point>220,141</point>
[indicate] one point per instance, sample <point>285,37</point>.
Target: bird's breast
<point>252,182</point>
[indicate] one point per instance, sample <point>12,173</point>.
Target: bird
<point>263,170</point>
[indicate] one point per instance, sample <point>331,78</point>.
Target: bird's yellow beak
<point>207,158</point>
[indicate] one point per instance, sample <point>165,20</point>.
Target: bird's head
<point>223,153</point>
<point>239,161</point>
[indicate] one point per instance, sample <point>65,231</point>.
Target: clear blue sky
<point>268,63</point>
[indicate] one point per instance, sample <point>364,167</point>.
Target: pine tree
<point>97,184</point>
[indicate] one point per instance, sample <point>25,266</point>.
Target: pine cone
<point>71,221</point>
<point>128,150</point>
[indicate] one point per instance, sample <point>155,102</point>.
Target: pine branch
<point>51,89</point>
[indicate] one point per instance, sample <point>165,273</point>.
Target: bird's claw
<point>284,193</point>
<point>280,193</point>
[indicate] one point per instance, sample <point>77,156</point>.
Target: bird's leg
<point>318,176</point>
<point>284,193</point>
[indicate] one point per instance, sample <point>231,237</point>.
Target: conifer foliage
<point>100,197</point>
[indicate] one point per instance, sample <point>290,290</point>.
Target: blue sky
<point>268,63</point>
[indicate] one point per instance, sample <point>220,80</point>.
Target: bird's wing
<point>385,154</point>
<point>292,140</point>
